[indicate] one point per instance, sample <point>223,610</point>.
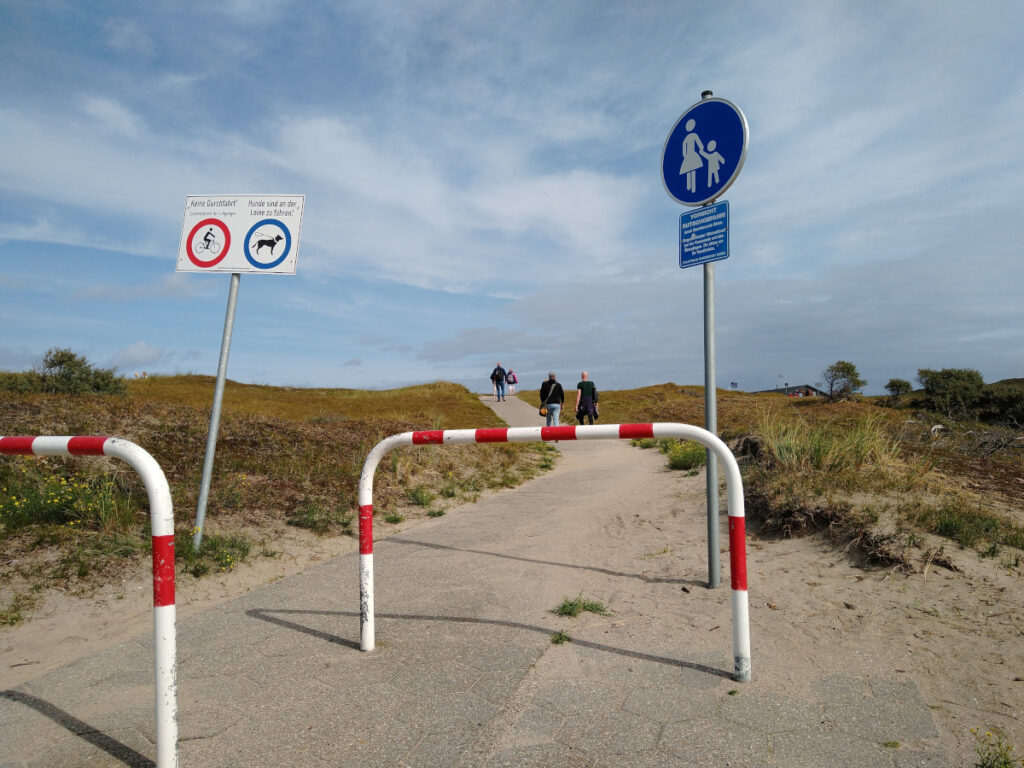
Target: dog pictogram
<point>267,242</point>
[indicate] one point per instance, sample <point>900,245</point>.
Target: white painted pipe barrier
<point>737,528</point>
<point>161,514</point>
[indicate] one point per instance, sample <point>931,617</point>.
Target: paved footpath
<point>465,672</point>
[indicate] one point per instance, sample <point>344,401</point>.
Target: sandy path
<point>957,639</point>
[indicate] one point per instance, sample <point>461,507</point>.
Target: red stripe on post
<point>16,446</point>
<point>738,552</point>
<point>366,529</point>
<point>430,437</point>
<point>86,446</point>
<point>558,433</point>
<point>163,570</point>
<point>492,435</point>
<point>634,431</point>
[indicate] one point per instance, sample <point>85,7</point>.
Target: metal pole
<point>218,397</point>
<point>710,413</point>
<point>711,422</point>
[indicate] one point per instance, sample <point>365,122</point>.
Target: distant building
<point>801,390</point>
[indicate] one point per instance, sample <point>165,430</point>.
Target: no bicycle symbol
<point>208,243</point>
<point>267,243</point>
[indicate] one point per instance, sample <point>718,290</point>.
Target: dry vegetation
<point>881,478</point>
<point>284,457</point>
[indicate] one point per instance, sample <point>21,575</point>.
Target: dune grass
<point>284,457</point>
<point>874,475</point>
<point>863,471</point>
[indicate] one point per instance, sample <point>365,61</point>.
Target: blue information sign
<point>704,151</point>
<point>704,235</point>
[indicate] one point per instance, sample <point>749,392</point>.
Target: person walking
<point>551,397</point>
<point>498,375</point>
<point>511,379</point>
<point>586,399</point>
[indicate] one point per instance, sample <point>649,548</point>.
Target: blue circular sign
<point>268,238</point>
<point>704,151</point>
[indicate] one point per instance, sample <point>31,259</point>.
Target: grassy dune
<point>284,457</point>
<point>880,477</point>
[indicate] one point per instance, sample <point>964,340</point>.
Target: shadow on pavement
<point>111,746</point>
<point>264,614</point>
<point>595,569</point>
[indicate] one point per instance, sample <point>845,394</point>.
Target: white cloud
<point>174,285</point>
<point>114,117</point>
<point>129,36</point>
<point>136,355</point>
<point>65,233</point>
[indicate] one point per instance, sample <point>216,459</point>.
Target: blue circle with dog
<point>268,241</point>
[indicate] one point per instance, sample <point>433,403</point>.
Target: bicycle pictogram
<point>208,242</point>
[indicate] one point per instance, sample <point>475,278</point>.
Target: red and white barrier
<point>737,530</point>
<point>162,523</point>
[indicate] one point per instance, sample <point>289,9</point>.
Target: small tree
<point>954,392</point>
<point>898,388</point>
<point>64,372</point>
<point>842,380</point>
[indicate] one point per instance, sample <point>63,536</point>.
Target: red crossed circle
<point>223,251</point>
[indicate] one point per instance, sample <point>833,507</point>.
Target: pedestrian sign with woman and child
<point>704,151</point>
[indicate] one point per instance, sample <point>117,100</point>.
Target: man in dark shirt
<point>552,397</point>
<point>586,399</point>
<point>498,377</point>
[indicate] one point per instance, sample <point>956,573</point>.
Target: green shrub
<point>23,383</point>
<point>420,496</point>
<point>320,520</point>
<point>1004,404</point>
<point>33,498</point>
<point>65,373</point>
<point>575,607</point>
<point>994,751</point>
<point>644,442</point>
<point>954,392</point>
<point>217,552</point>
<point>686,455</point>
<point>898,387</point>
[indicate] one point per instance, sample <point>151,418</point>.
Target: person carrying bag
<point>551,398</point>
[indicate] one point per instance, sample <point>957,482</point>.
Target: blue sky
<point>482,183</point>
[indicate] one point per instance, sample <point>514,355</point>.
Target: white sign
<point>255,234</point>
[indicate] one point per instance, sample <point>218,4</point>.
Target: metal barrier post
<point>161,514</point>
<point>734,483</point>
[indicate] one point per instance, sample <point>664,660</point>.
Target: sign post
<point>257,234</point>
<point>703,154</point>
